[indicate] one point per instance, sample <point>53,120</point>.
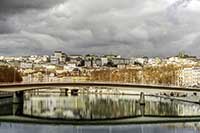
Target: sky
<point>126,27</point>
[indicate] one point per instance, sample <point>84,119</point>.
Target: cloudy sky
<point>126,27</point>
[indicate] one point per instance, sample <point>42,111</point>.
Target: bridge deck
<point>22,87</point>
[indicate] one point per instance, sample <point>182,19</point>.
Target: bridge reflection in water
<point>56,105</point>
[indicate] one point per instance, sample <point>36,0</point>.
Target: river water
<point>153,128</point>
<point>58,105</point>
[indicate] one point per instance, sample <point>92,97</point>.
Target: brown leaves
<point>9,74</point>
<point>164,74</point>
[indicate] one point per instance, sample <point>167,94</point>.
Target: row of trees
<point>165,74</point>
<point>9,74</point>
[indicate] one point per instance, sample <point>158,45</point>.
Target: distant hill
<point>9,74</point>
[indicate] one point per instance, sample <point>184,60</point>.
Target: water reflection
<point>61,106</point>
<point>168,107</point>
<point>81,107</point>
<point>153,128</point>
<point>5,106</point>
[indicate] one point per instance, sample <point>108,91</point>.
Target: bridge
<point>18,88</point>
<point>14,87</point>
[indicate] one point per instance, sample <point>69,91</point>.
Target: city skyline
<point>100,66</point>
<point>128,27</point>
<point>180,53</point>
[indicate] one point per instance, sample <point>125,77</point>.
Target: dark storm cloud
<point>127,27</point>
<point>12,7</point>
<point>20,5</point>
<point>5,28</point>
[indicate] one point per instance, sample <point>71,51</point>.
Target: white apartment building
<point>104,61</point>
<point>190,76</point>
<point>26,65</point>
<point>58,57</point>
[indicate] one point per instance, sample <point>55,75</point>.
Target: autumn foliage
<point>9,74</point>
<point>164,74</point>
